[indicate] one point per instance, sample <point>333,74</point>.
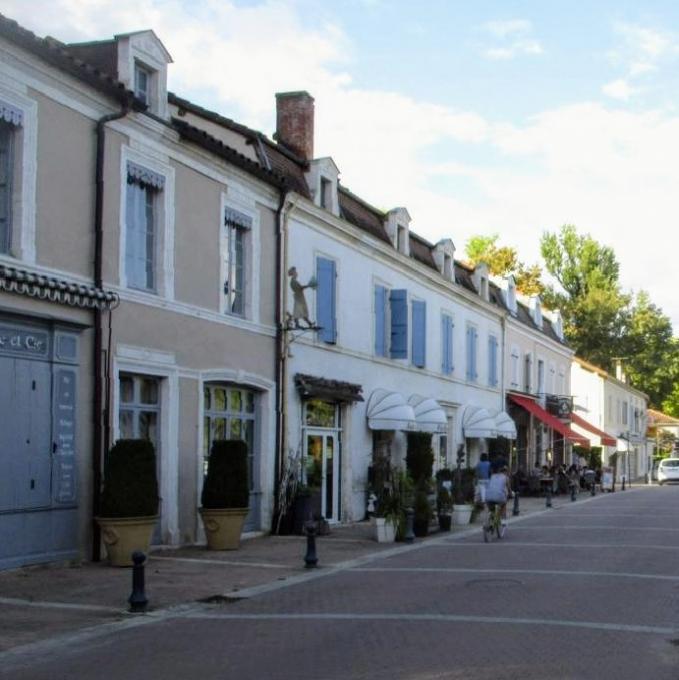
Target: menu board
<point>607,479</point>
<point>64,435</point>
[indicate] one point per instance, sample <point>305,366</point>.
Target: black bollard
<point>573,493</point>
<point>548,497</point>
<point>592,489</point>
<point>623,483</point>
<point>515,509</point>
<point>410,518</point>
<point>137,599</point>
<point>310,559</point>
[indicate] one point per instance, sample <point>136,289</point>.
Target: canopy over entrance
<point>478,422</point>
<point>389,411</point>
<point>606,438</point>
<point>429,416</point>
<point>504,425</point>
<point>549,419</point>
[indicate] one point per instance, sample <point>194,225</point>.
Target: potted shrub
<point>129,500</point>
<point>444,503</point>
<point>463,495</point>
<point>423,512</point>
<point>225,494</point>
<point>388,516</point>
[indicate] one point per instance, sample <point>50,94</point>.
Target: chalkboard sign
<point>607,479</point>
<point>64,435</point>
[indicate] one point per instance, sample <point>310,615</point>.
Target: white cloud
<point>511,39</point>
<point>618,89</point>
<point>503,29</point>
<point>611,172</point>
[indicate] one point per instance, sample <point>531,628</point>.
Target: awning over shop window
<point>389,411</point>
<point>606,439</point>
<point>550,420</point>
<point>478,422</point>
<point>504,425</point>
<point>429,416</point>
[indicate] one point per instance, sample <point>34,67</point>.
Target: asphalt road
<point>589,590</point>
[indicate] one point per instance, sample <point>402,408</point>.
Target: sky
<point>490,117</point>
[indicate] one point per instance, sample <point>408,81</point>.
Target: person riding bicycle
<point>499,490</point>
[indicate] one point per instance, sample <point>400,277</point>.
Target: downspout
<point>101,429</point>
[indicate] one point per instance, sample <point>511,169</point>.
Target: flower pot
<point>445,521</point>
<point>462,514</point>
<point>223,527</point>
<point>124,535</point>
<point>385,530</point>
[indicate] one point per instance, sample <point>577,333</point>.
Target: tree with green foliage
<point>592,304</point>
<point>503,261</point>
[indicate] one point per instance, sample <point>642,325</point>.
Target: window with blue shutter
<point>380,321</point>
<point>398,301</point>
<point>325,300</point>
<point>471,353</point>
<point>446,344</point>
<point>419,333</point>
<point>492,361</point>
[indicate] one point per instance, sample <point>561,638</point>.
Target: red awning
<point>549,419</point>
<point>606,439</point>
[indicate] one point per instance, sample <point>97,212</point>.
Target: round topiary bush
<point>130,483</point>
<point>226,482</point>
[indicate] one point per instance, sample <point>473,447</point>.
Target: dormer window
<point>142,83</point>
<point>401,236</point>
<point>443,254</point>
<point>484,288</point>
<point>326,193</point>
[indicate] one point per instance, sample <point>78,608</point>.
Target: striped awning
<point>429,416</point>
<point>389,411</point>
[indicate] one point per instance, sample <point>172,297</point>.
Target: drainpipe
<point>101,433</point>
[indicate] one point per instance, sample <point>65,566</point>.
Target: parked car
<point>668,470</point>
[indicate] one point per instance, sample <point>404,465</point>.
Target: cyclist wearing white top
<point>499,490</point>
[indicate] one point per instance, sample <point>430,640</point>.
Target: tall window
<point>141,226</point>
<point>381,322</point>
<point>142,83</point>
<point>515,366</point>
<point>139,411</point>
<point>492,361</point>
<point>229,413</point>
<point>237,226</point>
<point>541,376</point>
<point>528,373</point>
<point>326,298</point>
<point>472,337</point>
<point>419,336</point>
<point>446,344</point>
<point>11,120</point>
<point>326,193</point>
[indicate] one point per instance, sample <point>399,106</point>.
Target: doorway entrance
<point>322,458</point>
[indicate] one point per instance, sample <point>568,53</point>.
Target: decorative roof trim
<point>142,175</point>
<point>51,289</point>
<point>309,387</point>
<point>11,114</point>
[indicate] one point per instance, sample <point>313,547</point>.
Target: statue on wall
<point>300,311</point>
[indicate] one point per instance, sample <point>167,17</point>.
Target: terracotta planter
<point>223,527</point>
<point>123,535</point>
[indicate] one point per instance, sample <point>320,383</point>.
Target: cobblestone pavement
<point>584,590</point>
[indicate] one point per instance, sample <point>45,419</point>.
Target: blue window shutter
<point>380,321</point>
<point>492,368</point>
<point>419,333</point>
<point>469,372</point>
<point>446,344</point>
<point>398,300</point>
<point>475,336</point>
<point>325,300</point>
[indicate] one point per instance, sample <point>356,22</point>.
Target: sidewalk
<point>42,602</point>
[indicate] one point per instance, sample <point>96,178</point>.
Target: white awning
<point>504,425</point>
<point>429,416</point>
<point>389,411</point>
<point>477,422</point>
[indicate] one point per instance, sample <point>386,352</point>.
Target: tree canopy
<point>601,320</point>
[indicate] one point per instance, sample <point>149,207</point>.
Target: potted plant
<point>388,516</point>
<point>463,491</point>
<point>225,494</point>
<point>129,500</point>
<point>423,512</point>
<point>444,503</point>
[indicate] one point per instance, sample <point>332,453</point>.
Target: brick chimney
<point>295,122</point>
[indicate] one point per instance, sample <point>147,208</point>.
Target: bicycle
<point>492,522</point>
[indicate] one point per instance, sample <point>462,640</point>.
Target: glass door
<point>322,472</point>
